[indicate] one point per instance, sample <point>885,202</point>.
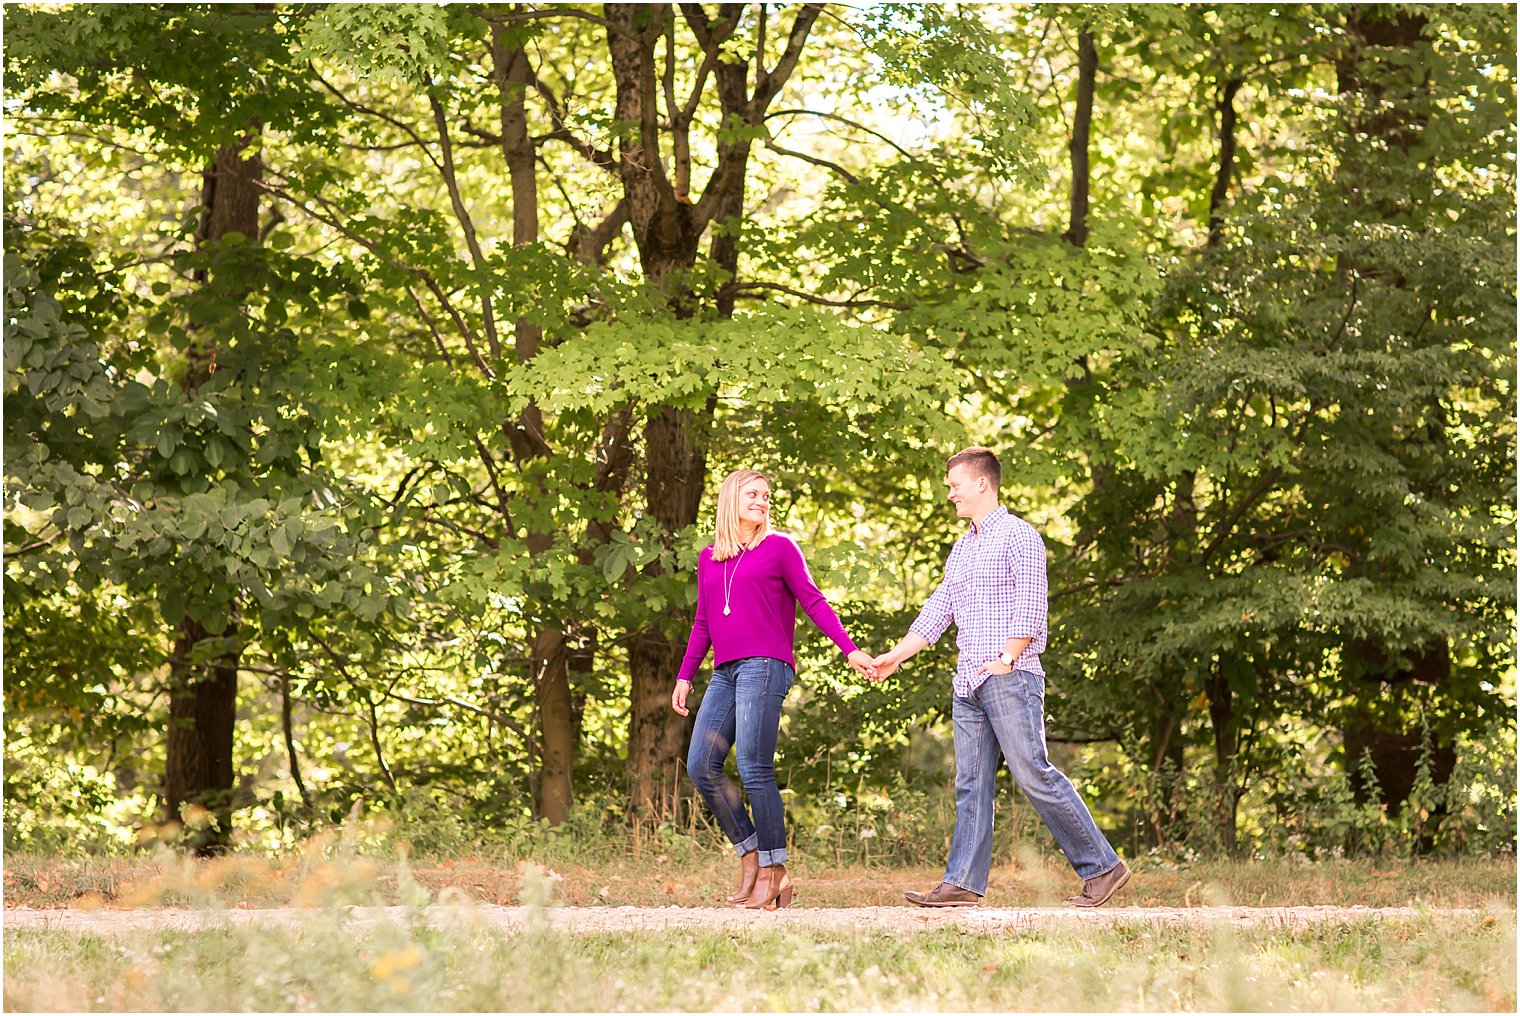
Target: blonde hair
<point>726,539</point>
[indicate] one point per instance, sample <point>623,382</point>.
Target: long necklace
<point>728,582</point>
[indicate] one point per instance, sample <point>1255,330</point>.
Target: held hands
<point>885,664</point>
<point>678,697</point>
<point>863,663</point>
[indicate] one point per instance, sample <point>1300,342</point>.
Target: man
<point>994,590</point>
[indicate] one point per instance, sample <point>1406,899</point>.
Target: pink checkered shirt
<point>994,589</point>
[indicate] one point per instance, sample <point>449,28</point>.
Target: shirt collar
<point>993,519</point>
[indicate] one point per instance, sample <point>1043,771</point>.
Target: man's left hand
<point>995,667</point>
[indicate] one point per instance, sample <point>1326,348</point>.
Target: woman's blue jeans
<point>742,708</point>
<point>1005,717</point>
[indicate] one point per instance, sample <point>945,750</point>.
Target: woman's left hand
<point>864,662</point>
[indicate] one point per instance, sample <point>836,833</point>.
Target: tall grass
<point>1425,963</point>
<point>332,872</point>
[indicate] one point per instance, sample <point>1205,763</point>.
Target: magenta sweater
<point>764,588</point>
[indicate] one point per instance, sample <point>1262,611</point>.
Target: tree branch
<point>743,289</point>
<point>814,160</point>
<point>335,220</point>
<point>359,107</point>
<point>452,700</point>
<point>768,88</point>
<point>462,214</point>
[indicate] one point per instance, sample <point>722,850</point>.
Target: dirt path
<point>976,920</point>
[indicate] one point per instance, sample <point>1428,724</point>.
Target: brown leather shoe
<point>1097,890</point>
<point>749,867</point>
<point>944,895</point>
<point>773,889</point>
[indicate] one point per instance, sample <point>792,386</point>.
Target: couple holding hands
<point>749,582</point>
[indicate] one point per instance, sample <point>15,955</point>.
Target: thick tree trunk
<point>1387,731</point>
<point>666,235</point>
<point>668,228</point>
<point>676,469</point>
<point>556,726</point>
<point>198,779</point>
<point>203,698</point>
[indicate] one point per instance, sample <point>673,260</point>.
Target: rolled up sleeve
<point>935,617</point>
<point>1030,603</point>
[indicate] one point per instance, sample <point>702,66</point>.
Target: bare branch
<point>710,40</point>
<point>557,11</point>
<point>460,703</point>
<point>847,122</point>
<point>451,180</point>
<point>814,160</point>
<point>600,157</point>
<point>770,86</point>
<point>744,288</point>
<point>359,107</point>
<point>680,126</point>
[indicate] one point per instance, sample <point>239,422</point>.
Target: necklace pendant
<point>726,611</point>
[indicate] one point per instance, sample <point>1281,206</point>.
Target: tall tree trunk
<point>1226,170</point>
<point>1383,92</point>
<point>1081,137</point>
<point>203,697</point>
<point>1222,718</point>
<point>555,784</point>
<point>676,469</point>
<point>198,777</point>
<point>551,662</point>
<point>666,236</point>
<point>668,228</point>
<point>1184,521</point>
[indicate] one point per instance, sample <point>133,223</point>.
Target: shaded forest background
<point>369,371</point>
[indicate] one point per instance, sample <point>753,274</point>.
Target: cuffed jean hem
<point>980,892</point>
<point>749,845</point>
<point>770,857</point>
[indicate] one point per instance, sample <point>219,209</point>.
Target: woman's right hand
<point>678,697</point>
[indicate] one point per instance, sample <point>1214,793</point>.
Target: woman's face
<point>754,503</point>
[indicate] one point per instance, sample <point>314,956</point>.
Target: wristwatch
<point>1005,659</point>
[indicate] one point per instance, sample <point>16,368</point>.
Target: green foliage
<point>401,43</point>
<point>1263,453</point>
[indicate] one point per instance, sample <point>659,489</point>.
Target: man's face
<point>967,490</point>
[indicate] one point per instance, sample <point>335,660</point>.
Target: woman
<point>749,582</point>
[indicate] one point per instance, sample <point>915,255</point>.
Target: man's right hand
<point>885,664</point>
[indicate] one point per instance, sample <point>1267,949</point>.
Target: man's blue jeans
<point>1006,716</point>
<point>742,708</point>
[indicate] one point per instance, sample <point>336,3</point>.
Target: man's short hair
<point>980,462</point>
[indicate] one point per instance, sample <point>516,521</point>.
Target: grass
<point>328,870</point>
<point>1426,963</point>
<point>1432,961</point>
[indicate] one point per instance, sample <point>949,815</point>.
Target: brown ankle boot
<point>773,889</point>
<point>749,867</point>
